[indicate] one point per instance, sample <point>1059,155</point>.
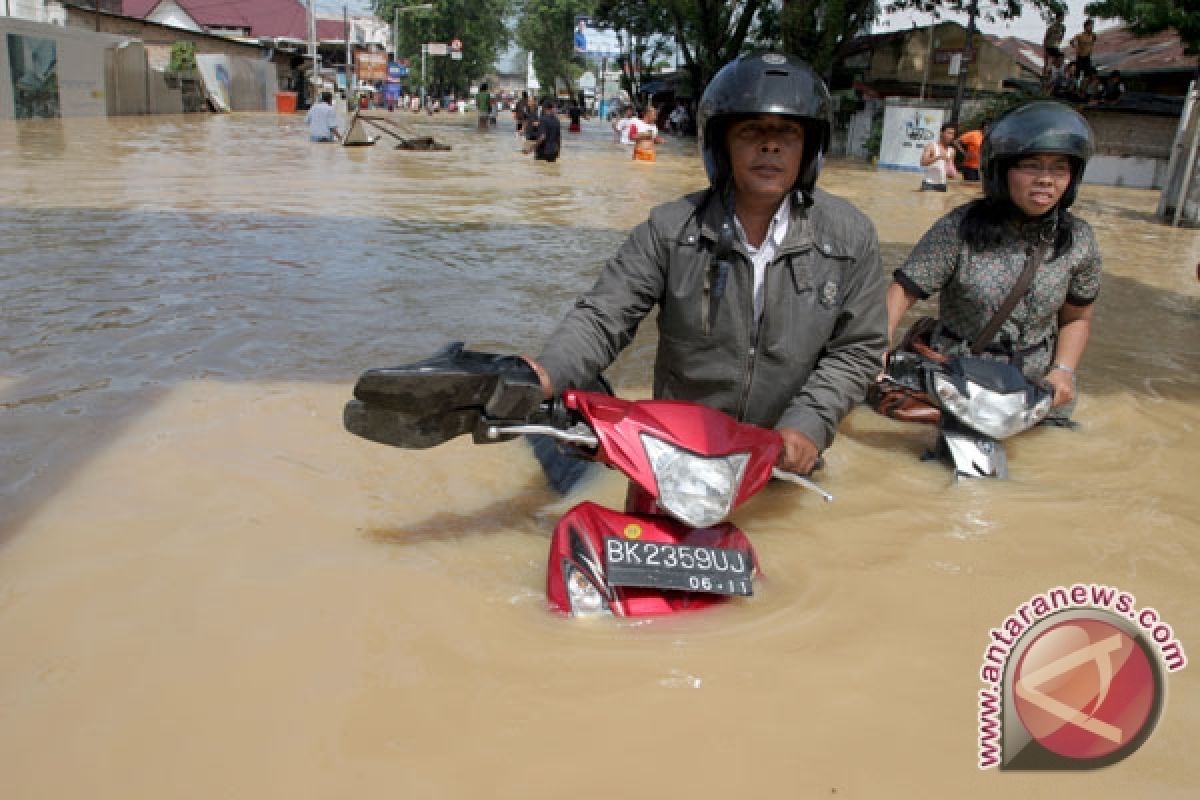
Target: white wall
<point>1132,171</point>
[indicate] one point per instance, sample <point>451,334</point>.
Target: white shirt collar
<point>777,229</point>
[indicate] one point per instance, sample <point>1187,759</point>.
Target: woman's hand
<point>1063,384</point>
<point>799,454</point>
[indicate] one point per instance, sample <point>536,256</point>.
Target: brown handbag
<point>902,402</point>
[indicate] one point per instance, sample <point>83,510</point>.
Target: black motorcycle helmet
<point>1039,127</point>
<point>764,83</point>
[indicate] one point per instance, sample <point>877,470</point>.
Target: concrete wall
<point>1131,149</point>
<point>1121,133</point>
<point>1133,171</point>
<point>77,86</point>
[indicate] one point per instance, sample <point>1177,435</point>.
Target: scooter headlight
<point>697,491</point>
<point>995,414</point>
<point>584,597</point>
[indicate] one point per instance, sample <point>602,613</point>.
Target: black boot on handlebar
<point>426,403</point>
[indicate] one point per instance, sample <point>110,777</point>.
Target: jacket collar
<point>799,234</point>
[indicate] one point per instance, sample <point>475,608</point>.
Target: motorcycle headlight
<point>584,597</point>
<point>995,414</point>
<point>697,491</point>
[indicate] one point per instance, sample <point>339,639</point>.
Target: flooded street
<point>209,589</point>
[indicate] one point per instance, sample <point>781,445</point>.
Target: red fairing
<point>578,544</point>
<point>692,427</point>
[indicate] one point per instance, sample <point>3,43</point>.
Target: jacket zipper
<point>752,352</point>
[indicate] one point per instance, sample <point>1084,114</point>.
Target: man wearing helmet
<point>1032,162</point>
<point>769,291</point>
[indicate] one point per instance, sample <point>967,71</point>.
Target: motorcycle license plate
<point>691,568</point>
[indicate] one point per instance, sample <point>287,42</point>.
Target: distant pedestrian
<point>576,114</point>
<point>531,119</point>
<point>520,110</point>
<point>938,160</point>
<point>1084,43</point>
<point>646,136</point>
<point>483,102</point>
<point>970,143</point>
<point>322,120</point>
<point>622,124</point>
<point>549,134</point>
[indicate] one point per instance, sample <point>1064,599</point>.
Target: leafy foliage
<point>183,57</point>
<point>1151,16</point>
<point>478,24</point>
<point>814,29</point>
<point>711,33</point>
<point>647,25</point>
<point>546,29</point>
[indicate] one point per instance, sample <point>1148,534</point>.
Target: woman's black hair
<point>989,222</point>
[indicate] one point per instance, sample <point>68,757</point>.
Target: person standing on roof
<point>1084,43</point>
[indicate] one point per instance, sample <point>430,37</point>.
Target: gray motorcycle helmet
<point>764,83</point>
<point>1039,127</point>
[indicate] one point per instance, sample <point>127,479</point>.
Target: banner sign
<point>372,67</point>
<point>906,132</point>
<point>595,42</point>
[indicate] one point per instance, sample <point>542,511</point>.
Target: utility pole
<point>396,40</point>
<point>312,48</point>
<point>346,34</point>
<point>967,58</point>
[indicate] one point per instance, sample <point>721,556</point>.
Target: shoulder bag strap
<point>1033,260</point>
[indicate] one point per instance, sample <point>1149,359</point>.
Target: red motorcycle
<point>689,466</point>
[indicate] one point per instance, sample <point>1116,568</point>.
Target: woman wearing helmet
<point>769,291</point>
<point>1032,161</point>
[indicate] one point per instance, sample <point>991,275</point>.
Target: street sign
<point>437,48</point>
<point>456,44</point>
<point>456,55</point>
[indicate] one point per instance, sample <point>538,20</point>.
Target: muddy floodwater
<point>209,590</point>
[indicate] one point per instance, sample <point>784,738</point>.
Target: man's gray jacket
<point>814,351</point>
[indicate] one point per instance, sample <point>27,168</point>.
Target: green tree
<point>646,28</point>
<point>814,29</point>
<point>1145,17</point>
<point>711,33</point>
<point>547,30</point>
<point>478,24</point>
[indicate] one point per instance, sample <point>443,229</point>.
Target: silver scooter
<point>982,402</point>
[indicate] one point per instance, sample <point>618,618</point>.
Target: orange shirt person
<point>969,143</point>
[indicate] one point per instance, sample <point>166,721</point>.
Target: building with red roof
<point>251,19</point>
